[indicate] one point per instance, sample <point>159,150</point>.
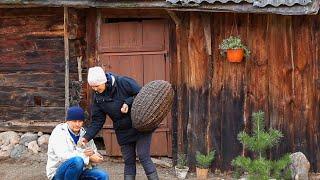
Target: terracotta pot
<point>235,55</point>
<point>202,173</point>
<point>181,173</point>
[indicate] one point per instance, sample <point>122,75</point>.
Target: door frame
<point>170,57</point>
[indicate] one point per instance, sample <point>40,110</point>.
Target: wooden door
<point>137,48</point>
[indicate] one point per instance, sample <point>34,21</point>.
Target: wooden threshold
<point>18,126</point>
<point>31,126</point>
<point>133,53</point>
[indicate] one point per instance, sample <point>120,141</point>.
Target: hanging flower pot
<point>234,49</point>
<point>235,55</point>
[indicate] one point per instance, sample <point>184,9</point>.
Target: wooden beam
<point>30,126</point>
<point>98,26</point>
<point>249,8</point>
<point>45,129</point>
<point>311,8</point>
<point>174,17</point>
<point>66,54</point>
<point>178,32</point>
<point>91,21</point>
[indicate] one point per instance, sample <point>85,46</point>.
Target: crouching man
<point>67,160</point>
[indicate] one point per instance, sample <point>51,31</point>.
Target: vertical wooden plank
<point>183,96</point>
<point>91,28</point>
<point>280,80</point>
<point>314,139</point>
<point>197,61</point>
<point>232,98</point>
<point>217,87</point>
<point>175,69</point>
<point>198,91</point>
<point>313,134</point>
<point>302,48</point>
<point>66,53</point>
<point>256,70</point>
<point>206,23</point>
<point>98,25</point>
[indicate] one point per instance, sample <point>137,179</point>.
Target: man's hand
<point>124,108</point>
<point>83,142</point>
<point>96,158</point>
<point>88,152</point>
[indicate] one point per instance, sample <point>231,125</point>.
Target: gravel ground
<point>32,167</point>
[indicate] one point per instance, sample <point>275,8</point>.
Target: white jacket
<point>61,147</point>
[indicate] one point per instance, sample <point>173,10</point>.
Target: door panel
<point>126,65</point>
<point>130,66</point>
<point>138,50</point>
<point>124,36</point>
<point>148,35</point>
<point>154,69</point>
<point>154,35</point>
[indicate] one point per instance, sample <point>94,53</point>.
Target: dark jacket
<point>109,103</point>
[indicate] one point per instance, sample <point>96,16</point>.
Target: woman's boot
<point>153,176</point>
<point>129,177</point>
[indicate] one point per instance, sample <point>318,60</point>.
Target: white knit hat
<point>96,76</point>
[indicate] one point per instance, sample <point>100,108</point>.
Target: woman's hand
<point>124,108</point>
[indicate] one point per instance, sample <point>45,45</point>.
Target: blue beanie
<point>75,113</point>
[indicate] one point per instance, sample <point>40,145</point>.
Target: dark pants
<point>142,148</point>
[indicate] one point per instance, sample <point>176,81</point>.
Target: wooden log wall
<point>32,65</point>
<point>32,70</point>
<point>281,77</point>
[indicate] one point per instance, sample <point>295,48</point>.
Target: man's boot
<point>153,176</point>
<point>129,177</point>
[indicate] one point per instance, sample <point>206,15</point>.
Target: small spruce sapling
<point>258,142</point>
<point>204,161</point>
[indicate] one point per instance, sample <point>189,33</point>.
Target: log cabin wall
<point>282,78</point>
<point>32,65</point>
<point>32,71</point>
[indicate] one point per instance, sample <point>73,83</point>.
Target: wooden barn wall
<point>282,78</point>
<point>32,71</point>
<point>32,65</point>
